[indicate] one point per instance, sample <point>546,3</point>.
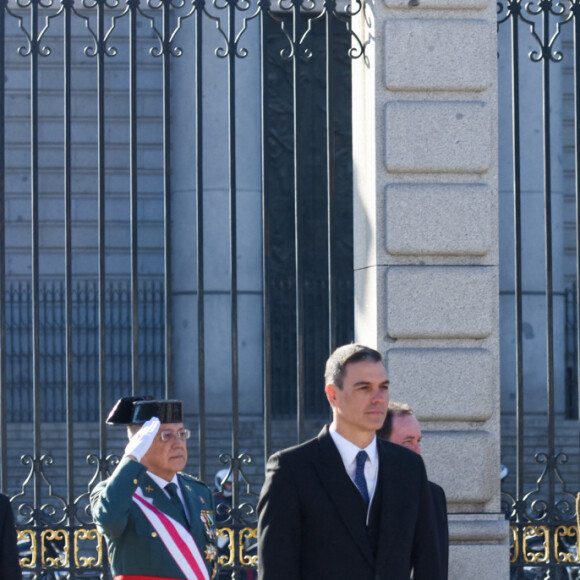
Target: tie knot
<point>361,458</point>
<point>171,489</point>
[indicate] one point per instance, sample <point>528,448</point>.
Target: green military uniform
<point>134,546</point>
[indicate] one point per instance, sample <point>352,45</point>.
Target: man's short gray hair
<point>342,356</point>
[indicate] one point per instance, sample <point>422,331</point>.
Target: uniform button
<point>153,534</point>
<point>135,481</point>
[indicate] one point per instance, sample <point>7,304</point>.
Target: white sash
<point>176,538</point>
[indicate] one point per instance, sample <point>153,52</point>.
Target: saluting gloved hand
<point>140,442</point>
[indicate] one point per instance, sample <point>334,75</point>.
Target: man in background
<point>402,427</point>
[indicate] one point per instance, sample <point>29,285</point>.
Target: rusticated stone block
<point>438,219</point>
<point>438,137</point>
<point>439,55</point>
<point>461,377</point>
<point>440,302</point>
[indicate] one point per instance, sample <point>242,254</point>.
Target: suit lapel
<point>343,493</point>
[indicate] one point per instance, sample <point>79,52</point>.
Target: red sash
<point>177,539</point>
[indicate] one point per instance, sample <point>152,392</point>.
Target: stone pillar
<point>426,246</point>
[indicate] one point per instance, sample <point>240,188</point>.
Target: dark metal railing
<point>63,361</point>
<point>542,515</point>
<point>101,195</point>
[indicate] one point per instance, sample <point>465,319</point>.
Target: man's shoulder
<point>393,452</point>
<point>193,481</point>
<point>437,490</point>
<point>298,452</point>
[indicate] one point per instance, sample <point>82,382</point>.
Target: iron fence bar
<point>3,409</point>
<point>167,193</point>
<point>300,371</point>
<point>102,264</point>
<point>518,274</point>
<point>34,178</point>
<point>133,169</point>
<point>266,241</point>
<point>68,5</point>
<point>576,36</point>
<point>330,6</point>
<point>232,47</point>
<point>549,280</point>
<point>199,4</point>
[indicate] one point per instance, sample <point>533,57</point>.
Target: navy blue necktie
<point>171,488</point>
<point>359,476</point>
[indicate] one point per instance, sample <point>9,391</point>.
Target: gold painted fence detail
<point>56,548</point>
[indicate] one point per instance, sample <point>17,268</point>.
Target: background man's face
<point>166,458</point>
<point>359,408</point>
<point>406,431</point>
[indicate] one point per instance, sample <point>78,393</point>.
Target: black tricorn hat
<point>137,410</point>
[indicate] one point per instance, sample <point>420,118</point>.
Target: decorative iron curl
<point>88,561</point>
<point>243,52</point>
<point>100,46</point>
<point>170,47</point>
<point>235,465</point>
<point>104,467</point>
<point>535,557</point>
<point>515,9</point>
<point>227,560</point>
<point>22,51</point>
<point>232,44</point>
<point>246,535</point>
<point>357,51</point>
<point>46,513</point>
<point>52,535</point>
<point>297,45</point>
<point>545,51</point>
<point>565,532</point>
<point>508,505</point>
<point>285,53</point>
<point>33,44</point>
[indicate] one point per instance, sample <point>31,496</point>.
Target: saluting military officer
<point>158,522</point>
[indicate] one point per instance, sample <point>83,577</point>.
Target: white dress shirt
<point>348,452</point>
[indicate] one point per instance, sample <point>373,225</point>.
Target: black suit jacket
<point>9,564</point>
<point>440,505</point>
<point>312,520</point>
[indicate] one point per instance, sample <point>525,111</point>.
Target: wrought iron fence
<point>539,87</point>
<point>85,353</point>
<point>116,162</point>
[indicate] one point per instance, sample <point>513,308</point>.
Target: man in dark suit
<point>9,564</point>
<point>402,427</point>
<point>346,505</point>
<point>158,522</point>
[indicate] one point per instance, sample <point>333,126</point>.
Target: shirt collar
<point>349,450</point>
<point>162,482</point>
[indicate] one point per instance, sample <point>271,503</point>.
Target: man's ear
<point>330,391</point>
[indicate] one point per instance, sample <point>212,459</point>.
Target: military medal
<point>210,552</point>
<point>206,517</point>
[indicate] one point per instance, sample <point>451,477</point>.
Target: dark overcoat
<point>313,521</point>
<point>9,564</point>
